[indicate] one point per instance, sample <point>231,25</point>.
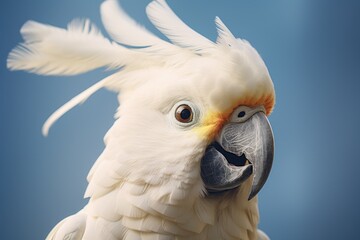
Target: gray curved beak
<point>239,150</point>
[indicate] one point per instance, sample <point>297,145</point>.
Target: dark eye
<point>184,113</point>
<point>241,114</point>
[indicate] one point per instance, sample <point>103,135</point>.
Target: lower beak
<point>239,150</point>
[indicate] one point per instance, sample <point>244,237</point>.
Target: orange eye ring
<point>184,113</point>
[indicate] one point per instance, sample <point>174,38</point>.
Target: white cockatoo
<point>191,145</point>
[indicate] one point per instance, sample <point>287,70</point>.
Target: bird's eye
<point>184,113</point>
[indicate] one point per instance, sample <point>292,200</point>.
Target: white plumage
<point>146,184</point>
<point>124,29</point>
<point>50,50</point>
<point>164,19</point>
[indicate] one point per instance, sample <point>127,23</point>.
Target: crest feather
<point>50,50</point>
<point>174,28</point>
<point>78,99</point>
<point>123,28</point>
<point>225,37</point>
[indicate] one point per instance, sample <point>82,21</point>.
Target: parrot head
<point>193,113</point>
<point>200,122</point>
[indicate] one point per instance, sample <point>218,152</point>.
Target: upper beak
<point>240,149</point>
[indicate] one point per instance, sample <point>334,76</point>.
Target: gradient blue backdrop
<point>312,49</point>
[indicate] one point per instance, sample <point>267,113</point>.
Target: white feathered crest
<point>48,50</point>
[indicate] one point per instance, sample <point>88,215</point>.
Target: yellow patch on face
<point>211,125</point>
<point>213,121</point>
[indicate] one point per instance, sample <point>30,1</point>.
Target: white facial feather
<point>155,172</point>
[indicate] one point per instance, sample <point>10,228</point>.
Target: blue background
<point>312,49</point>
